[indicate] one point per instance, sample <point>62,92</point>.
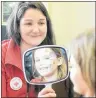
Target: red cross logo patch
<point>16,83</point>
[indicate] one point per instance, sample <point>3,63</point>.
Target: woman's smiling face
<point>33,27</point>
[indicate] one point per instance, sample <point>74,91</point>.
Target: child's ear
<point>60,61</point>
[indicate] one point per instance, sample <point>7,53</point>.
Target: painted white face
<point>77,77</point>
<point>45,61</point>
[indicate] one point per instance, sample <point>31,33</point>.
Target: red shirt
<point>12,72</point>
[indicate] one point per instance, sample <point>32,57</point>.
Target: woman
<point>28,26</point>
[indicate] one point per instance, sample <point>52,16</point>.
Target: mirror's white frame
<point>47,46</point>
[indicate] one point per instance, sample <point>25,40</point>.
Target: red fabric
<point>12,67</point>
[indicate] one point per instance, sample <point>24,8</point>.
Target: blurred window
<point>6,10</point>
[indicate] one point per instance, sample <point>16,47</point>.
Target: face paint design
<point>45,61</point>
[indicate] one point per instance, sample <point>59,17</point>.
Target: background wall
<point>71,18</point>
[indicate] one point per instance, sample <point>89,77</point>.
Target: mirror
<point>45,64</point>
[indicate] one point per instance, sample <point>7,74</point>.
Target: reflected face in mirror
<point>48,63</point>
<point>45,61</point>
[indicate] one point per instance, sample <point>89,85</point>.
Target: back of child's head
<point>83,50</point>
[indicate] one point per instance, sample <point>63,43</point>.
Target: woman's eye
<point>28,23</point>
<point>41,23</point>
